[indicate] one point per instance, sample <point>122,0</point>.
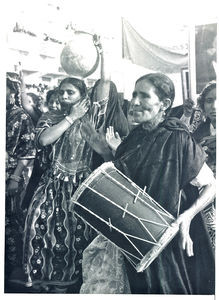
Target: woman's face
<point>53,103</point>
<point>210,105</point>
<point>10,96</point>
<point>69,94</point>
<point>145,102</point>
<point>30,101</point>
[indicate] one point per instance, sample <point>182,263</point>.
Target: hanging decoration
<point>150,56</point>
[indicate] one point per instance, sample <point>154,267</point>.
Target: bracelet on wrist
<point>15,178</point>
<point>69,120</point>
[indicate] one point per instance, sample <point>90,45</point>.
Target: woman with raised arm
<point>54,237</point>
<point>114,116</point>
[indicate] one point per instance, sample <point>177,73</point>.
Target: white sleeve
<point>204,177</point>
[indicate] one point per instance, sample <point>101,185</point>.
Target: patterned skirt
<point>54,237</point>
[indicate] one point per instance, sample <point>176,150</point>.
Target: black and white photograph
<point>109,148</point>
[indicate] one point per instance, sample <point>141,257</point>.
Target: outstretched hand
<point>97,42</point>
<point>186,242</point>
<point>113,139</point>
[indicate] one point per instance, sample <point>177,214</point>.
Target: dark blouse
<point>165,161</point>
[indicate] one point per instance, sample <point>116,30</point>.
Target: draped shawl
<point>165,161</point>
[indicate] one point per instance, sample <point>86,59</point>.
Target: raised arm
<point>103,88</point>
<point>50,135</point>
<point>25,101</point>
<point>24,97</point>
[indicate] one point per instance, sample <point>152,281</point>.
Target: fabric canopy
<point>148,55</point>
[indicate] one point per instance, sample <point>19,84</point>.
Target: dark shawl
<point>202,131</point>
<point>165,161</point>
<point>114,116</point>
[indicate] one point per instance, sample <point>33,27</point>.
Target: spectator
<point>20,151</point>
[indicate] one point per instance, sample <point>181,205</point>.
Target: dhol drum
<point>125,214</point>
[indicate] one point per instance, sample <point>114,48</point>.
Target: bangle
<point>15,178</point>
<point>69,120</point>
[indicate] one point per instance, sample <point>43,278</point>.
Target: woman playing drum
<point>161,155</point>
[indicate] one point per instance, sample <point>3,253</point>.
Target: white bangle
<point>69,120</point>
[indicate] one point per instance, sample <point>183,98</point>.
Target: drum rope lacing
<point>138,194</point>
<point>159,213</point>
<point>115,228</point>
<point>133,215</point>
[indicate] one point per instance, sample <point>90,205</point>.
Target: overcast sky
<point>160,21</point>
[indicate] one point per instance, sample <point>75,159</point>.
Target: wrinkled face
<point>210,105</point>
<point>53,103</point>
<point>145,102</point>
<point>68,94</point>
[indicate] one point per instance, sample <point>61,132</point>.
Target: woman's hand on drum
<point>184,221</point>
<point>113,139</point>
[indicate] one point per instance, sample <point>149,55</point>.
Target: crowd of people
<point>50,151</point>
